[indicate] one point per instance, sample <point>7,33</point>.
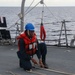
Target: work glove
<point>41,63</point>
<point>34,61</point>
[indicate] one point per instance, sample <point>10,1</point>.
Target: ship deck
<point>58,58</point>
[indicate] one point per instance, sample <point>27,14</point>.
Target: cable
<point>25,14</point>
<point>51,12</point>
<point>29,6</point>
<point>32,8</point>
<point>42,14</point>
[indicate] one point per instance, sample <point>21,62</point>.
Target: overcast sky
<point>47,2</point>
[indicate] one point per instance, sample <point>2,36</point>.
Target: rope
<point>32,8</point>
<point>51,12</point>
<point>42,13</point>
<point>29,6</point>
<point>42,32</point>
<point>42,29</point>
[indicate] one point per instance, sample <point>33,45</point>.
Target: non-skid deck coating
<point>58,58</point>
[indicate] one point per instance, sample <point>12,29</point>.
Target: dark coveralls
<point>24,59</point>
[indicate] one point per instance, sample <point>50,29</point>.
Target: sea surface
<point>52,18</point>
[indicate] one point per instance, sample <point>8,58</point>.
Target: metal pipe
<point>22,18</point>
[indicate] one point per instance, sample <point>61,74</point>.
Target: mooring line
<point>55,71</point>
<point>36,72</point>
<point>12,73</point>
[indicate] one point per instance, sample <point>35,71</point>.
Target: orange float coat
<point>30,44</point>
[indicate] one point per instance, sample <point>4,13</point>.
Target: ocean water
<point>52,19</point>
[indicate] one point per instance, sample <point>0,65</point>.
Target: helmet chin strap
<point>28,33</point>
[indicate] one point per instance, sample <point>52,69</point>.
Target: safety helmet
<point>29,26</point>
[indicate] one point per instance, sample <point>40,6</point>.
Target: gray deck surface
<point>58,58</point>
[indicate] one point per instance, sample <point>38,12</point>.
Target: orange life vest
<point>30,44</point>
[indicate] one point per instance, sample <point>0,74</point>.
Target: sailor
<point>28,46</point>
